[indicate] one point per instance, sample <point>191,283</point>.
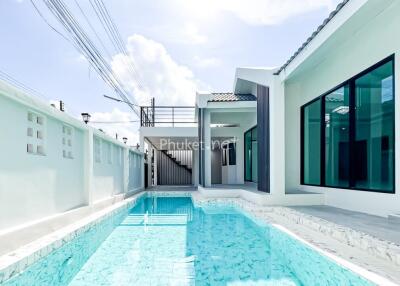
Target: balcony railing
<point>167,116</point>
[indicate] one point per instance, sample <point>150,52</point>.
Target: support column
<point>239,139</point>
<point>88,178</point>
<point>155,166</point>
<point>263,139</point>
<point>125,165</point>
<point>141,149</point>
<point>195,167</point>
<point>207,148</point>
<point>149,165</point>
<point>277,138</point>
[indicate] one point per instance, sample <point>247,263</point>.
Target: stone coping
<point>378,247</point>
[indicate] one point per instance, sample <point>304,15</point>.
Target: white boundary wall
<point>51,163</point>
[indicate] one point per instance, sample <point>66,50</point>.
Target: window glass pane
<point>254,134</point>
<point>312,144</point>
<point>224,155</point>
<point>374,138</point>
<point>232,154</point>
<point>247,155</point>
<point>337,138</point>
<point>254,161</point>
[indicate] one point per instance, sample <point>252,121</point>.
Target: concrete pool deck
<point>376,226</point>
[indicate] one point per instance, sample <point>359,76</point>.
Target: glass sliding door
<point>374,129</point>
<point>247,156</point>
<point>348,133</point>
<point>250,155</point>
<point>311,120</point>
<point>254,157</point>
<point>336,132</point>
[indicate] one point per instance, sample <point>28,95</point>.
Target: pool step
<point>155,219</point>
<point>176,271</point>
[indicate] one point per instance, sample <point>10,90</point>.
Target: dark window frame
<point>224,155</point>
<point>232,153</point>
<point>244,151</point>
<point>352,97</point>
<point>302,140</point>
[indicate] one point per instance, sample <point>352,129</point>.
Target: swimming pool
<point>169,241</point>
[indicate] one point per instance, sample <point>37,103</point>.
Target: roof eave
<point>335,20</point>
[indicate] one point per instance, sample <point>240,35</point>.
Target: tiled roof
<point>313,35</point>
<point>230,96</point>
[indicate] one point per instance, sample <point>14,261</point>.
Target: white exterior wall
<point>374,40</point>
<point>135,161</point>
<point>246,82</point>
<point>246,120</point>
<point>108,171</point>
<point>207,148</point>
<point>33,187</point>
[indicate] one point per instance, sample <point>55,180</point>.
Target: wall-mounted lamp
<point>125,139</point>
<point>86,117</point>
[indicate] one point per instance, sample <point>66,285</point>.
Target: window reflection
<point>374,136</point>
<point>312,143</point>
<point>337,137</point>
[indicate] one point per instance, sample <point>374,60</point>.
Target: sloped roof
<point>313,35</point>
<point>230,96</point>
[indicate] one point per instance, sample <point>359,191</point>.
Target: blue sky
<point>179,46</point>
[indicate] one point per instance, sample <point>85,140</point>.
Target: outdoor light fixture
<point>125,139</point>
<point>86,117</point>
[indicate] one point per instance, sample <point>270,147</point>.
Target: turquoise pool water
<point>167,241</point>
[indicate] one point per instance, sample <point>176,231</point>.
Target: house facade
<point>321,129</point>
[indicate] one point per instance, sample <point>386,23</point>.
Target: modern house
<point>321,129</point>
<point>318,133</point>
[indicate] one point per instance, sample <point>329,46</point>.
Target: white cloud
<point>126,129</point>
<point>163,78</point>
<point>207,62</point>
<point>256,12</point>
<point>192,35</point>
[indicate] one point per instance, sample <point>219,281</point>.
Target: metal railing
<point>166,116</point>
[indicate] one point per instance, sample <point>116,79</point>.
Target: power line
<point>115,37</point>
<point>119,100</point>
<point>115,122</point>
<point>93,29</point>
<point>27,89</point>
<point>8,78</point>
<point>85,45</point>
<point>47,22</point>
